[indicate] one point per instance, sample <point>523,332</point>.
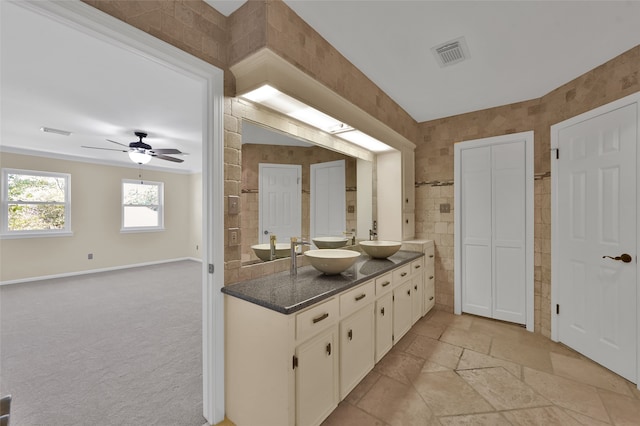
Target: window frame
<point>5,233</point>
<point>134,229</point>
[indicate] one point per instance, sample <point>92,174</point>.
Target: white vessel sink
<point>380,249</point>
<point>332,261</point>
<point>263,251</point>
<point>329,242</point>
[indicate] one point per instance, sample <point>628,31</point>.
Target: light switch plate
<point>233,205</point>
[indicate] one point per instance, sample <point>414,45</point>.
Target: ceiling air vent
<point>451,52</point>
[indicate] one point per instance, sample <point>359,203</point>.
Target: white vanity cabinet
<point>417,288</point>
<point>401,310</point>
<point>293,369</point>
<point>429,278</point>
<point>356,348</point>
<point>316,372</point>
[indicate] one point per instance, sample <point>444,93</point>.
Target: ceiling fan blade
<point>166,151</point>
<point>166,157</point>
<point>118,143</point>
<point>106,149</point>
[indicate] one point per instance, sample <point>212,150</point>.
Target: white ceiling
<point>56,76</point>
<point>519,50</point>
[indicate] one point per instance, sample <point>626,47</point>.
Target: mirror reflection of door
<point>328,199</point>
<point>280,211</point>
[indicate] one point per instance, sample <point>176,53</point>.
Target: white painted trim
<point>95,271</point>
<point>529,221</point>
<point>95,23</point>
<point>555,131</point>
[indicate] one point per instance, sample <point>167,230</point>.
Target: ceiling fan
<point>141,152</point>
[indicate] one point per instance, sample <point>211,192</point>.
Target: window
<point>35,203</point>
<point>142,206</point>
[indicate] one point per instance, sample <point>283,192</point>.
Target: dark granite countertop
<point>286,294</point>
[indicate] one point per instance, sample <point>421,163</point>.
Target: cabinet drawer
<point>401,274</point>
<point>383,284</point>
<point>316,319</point>
<point>356,298</point>
<point>417,266</point>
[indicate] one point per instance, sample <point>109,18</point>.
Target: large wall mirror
<point>309,189</point>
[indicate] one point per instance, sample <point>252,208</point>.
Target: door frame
<point>528,138</point>
<point>555,205</point>
<point>96,23</point>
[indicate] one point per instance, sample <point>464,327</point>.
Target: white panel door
<point>476,231</point>
<point>280,208</point>
<point>509,232</point>
<point>597,217</point>
<point>328,216</point>
<point>493,203</point>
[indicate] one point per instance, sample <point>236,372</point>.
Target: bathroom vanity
<point>297,345</point>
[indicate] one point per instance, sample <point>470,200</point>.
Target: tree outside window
<point>35,202</point>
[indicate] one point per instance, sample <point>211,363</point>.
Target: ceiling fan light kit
<point>141,152</point>
<point>139,157</point>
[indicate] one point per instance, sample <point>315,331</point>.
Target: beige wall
<point>434,165</point>
<point>96,222</point>
<point>196,28</point>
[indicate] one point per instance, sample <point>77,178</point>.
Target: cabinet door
<point>401,310</point>
<point>356,348</point>
<point>316,378</point>
<point>429,280</point>
<point>417,297</point>
<point>384,325</point>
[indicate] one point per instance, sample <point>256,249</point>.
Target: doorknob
<point>623,257</point>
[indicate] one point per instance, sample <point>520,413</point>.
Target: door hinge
<point>393,338</point>
<point>393,298</point>
<point>211,268</point>
<point>295,362</point>
<point>557,309</point>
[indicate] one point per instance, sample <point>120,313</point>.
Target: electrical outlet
<point>234,236</point>
<point>445,208</point>
<point>90,256</point>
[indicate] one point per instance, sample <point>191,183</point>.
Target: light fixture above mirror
<point>271,97</point>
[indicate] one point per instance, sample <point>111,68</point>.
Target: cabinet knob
<point>431,277</point>
<point>382,311</point>
<point>328,348</point>
<point>403,274</point>
<point>350,335</point>
<point>431,298</point>
<point>409,292</point>
<point>430,255</point>
<point>417,266</point>
<point>415,287</point>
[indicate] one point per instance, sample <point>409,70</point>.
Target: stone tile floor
<point>466,370</point>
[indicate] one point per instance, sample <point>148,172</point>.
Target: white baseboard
<point>93,271</point>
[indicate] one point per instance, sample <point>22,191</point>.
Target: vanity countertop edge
<point>288,294</point>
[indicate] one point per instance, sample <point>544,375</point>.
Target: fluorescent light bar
<point>365,141</point>
<point>56,131</point>
<point>272,98</point>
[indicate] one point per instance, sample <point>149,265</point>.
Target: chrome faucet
<point>294,260</point>
<point>272,247</point>
<point>372,235</point>
<point>352,235</point>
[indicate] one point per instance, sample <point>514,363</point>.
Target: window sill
<point>34,234</point>
<point>138,230</point>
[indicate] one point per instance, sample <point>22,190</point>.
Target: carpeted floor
<point>112,348</point>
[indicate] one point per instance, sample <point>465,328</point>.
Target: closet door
<point>493,241</point>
